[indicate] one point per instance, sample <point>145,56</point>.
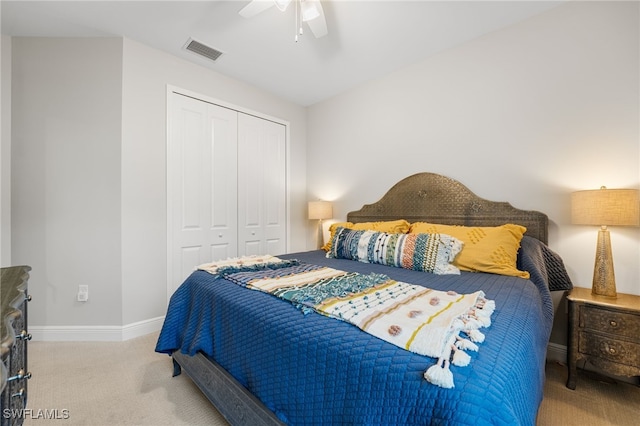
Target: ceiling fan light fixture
<point>282,4</point>
<point>309,11</point>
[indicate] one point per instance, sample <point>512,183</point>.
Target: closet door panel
<point>252,248</point>
<point>261,186</point>
<point>223,124</point>
<point>202,171</point>
<point>250,181</point>
<point>275,188</point>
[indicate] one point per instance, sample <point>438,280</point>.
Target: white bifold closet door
<point>203,159</point>
<point>261,186</point>
<point>226,185</point>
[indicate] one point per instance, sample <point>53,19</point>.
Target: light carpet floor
<point>127,383</point>
<point>106,383</point>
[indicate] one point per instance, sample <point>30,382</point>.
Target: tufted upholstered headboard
<point>430,197</point>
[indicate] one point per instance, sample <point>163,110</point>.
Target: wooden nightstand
<point>605,332</point>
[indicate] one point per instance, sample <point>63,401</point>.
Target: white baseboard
<point>556,352</point>
<point>98,333</point>
<point>140,328</point>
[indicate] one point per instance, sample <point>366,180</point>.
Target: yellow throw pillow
<point>393,227</point>
<point>492,249</point>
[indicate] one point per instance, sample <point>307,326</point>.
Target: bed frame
<point>423,197</point>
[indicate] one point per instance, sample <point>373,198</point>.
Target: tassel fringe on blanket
<point>441,325</point>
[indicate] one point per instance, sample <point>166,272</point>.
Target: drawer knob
<point>21,375</point>
<point>24,335</point>
<point>611,349</point>
<point>613,323</point>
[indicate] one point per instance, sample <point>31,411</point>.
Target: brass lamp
<point>320,210</point>
<point>603,207</point>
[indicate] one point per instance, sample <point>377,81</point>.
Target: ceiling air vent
<point>202,49</point>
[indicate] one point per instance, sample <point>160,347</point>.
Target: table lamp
<point>604,207</point>
<point>320,210</point>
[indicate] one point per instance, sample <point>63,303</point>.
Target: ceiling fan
<point>309,11</point>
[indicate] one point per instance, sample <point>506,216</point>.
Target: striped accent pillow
<point>421,252</point>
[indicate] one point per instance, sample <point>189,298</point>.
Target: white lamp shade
<point>320,210</point>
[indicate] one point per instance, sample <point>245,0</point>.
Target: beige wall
<point>66,137</point>
<point>5,151</point>
<point>89,175</point>
<point>526,114</point>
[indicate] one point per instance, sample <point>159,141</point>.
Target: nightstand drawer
<point>606,321</point>
<point>614,350</point>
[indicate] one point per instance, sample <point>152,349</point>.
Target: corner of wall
<point>5,151</point>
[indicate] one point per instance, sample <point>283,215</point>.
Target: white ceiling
<point>367,39</point>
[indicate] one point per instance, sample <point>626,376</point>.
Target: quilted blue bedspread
<point>311,369</point>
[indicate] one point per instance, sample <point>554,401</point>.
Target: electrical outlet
<point>83,293</point>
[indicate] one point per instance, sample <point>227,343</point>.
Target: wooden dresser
<point>13,344</point>
<point>605,332</point>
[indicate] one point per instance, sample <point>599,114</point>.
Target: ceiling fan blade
<point>254,7</point>
<point>318,25</point>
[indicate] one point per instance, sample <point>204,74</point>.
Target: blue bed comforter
<point>310,369</point>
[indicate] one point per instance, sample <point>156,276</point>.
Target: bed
<point>261,361</point>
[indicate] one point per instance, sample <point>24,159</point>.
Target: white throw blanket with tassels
<point>434,323</point>
<point>438,324</point>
